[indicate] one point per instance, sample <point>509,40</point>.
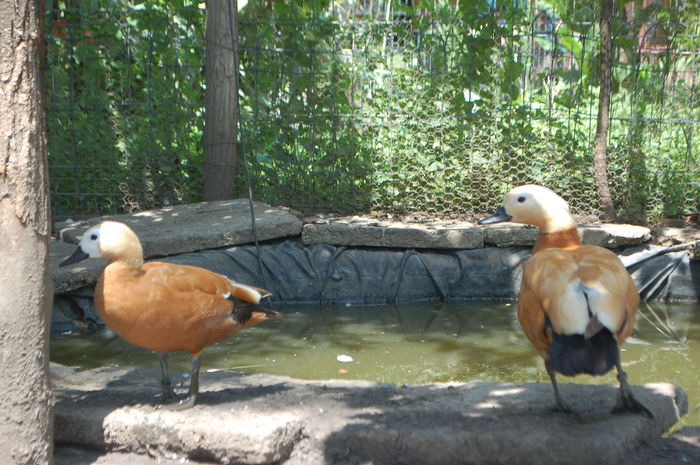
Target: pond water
<point>414,343</point>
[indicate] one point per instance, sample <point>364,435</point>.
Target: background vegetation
<point>399,106</point>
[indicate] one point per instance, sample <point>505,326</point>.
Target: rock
<point>115,422</point>
<point>342,234</point>
<point>71,455</point>
<point>244,437</point>
<point>359,231</point>
<point>507,235</point>
<point>604,235</point>
<point>244,418</point>
<point>613,235</point>
<point>440,234</point>
<point>176,230</point>
<point>673,236</point>
<point>206,225</point>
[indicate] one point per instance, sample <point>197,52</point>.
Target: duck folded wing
<point>185,278</point>
<point>191,292</point>
<point>578,292</point>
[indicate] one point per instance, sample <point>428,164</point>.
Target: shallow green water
<point>414,343</point>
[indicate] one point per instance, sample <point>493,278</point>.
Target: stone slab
<point>446,234</point>
<point>614,235</point>
<point>71,455</point>
<point>361,231</point>
<point>255,418</point>
<point>681,447</point>
<point>601,234</point>
<point>668,236</point>
<point>175,230</point>
<point>509,235</point>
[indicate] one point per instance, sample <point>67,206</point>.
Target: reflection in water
<point>414,343</point>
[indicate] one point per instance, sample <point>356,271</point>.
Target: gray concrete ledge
<point>366,231</point>
<point>260,419</point>
<point>361,231</point>
<point>682,447</point>
<point>213,225</point>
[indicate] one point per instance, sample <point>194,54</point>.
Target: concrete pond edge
<point>182,229</point>
<point>264,419</point>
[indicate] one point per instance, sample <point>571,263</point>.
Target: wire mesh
<point>124,105</point>
<point>376,106</point>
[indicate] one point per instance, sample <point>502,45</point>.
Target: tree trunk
<point>600,160</point>
<point>220,102</point>
<point>26,293</point>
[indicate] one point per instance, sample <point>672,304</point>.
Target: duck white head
<point>111,240</point>
<point>535,205</point>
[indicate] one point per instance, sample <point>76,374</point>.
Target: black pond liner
<point>326,275</point>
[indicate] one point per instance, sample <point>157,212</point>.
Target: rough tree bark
<point>220,102</point>
<point>26,423</point>
<point>600,153</point>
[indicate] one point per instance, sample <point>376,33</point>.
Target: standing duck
<point>166,307</point>
<point>577,304</point>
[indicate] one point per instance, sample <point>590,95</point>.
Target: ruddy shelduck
<point>577,304</point>
<point>166,307</point>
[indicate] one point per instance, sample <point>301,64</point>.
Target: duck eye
<point>93,237</point>
<point>521,199</point>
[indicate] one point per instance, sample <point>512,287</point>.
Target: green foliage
<point>440,109</point>
<point>296,95</point>
<point>124,87</point>
<point>459,134</point>
<point>652,141</point>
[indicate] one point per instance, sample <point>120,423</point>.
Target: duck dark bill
<point>78,256</point>
<point>499,217</point>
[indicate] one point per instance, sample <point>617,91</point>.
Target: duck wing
<point>576,291</point>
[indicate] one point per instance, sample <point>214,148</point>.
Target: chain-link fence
<point>364,106</point>
<point>124,103</point>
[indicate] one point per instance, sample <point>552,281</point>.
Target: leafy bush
<point>438,109</point>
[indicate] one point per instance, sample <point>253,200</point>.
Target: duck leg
<point>193,391</point>
<point>561,405</point>
<point>168,393</point>
<point>626,401</point>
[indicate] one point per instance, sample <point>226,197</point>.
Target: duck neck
<point>121,270</point>
<point>134,262</point>
<point>565,239</point>
<point>128,253</point>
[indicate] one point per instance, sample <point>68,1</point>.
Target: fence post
<point>220,102</point>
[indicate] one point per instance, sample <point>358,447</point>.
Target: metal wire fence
<point>361,106</point>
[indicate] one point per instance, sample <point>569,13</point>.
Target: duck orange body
<point>166,307</point>
<point>577,304</point>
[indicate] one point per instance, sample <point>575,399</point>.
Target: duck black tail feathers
<point>575,354</point>
<point>245,313</point>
